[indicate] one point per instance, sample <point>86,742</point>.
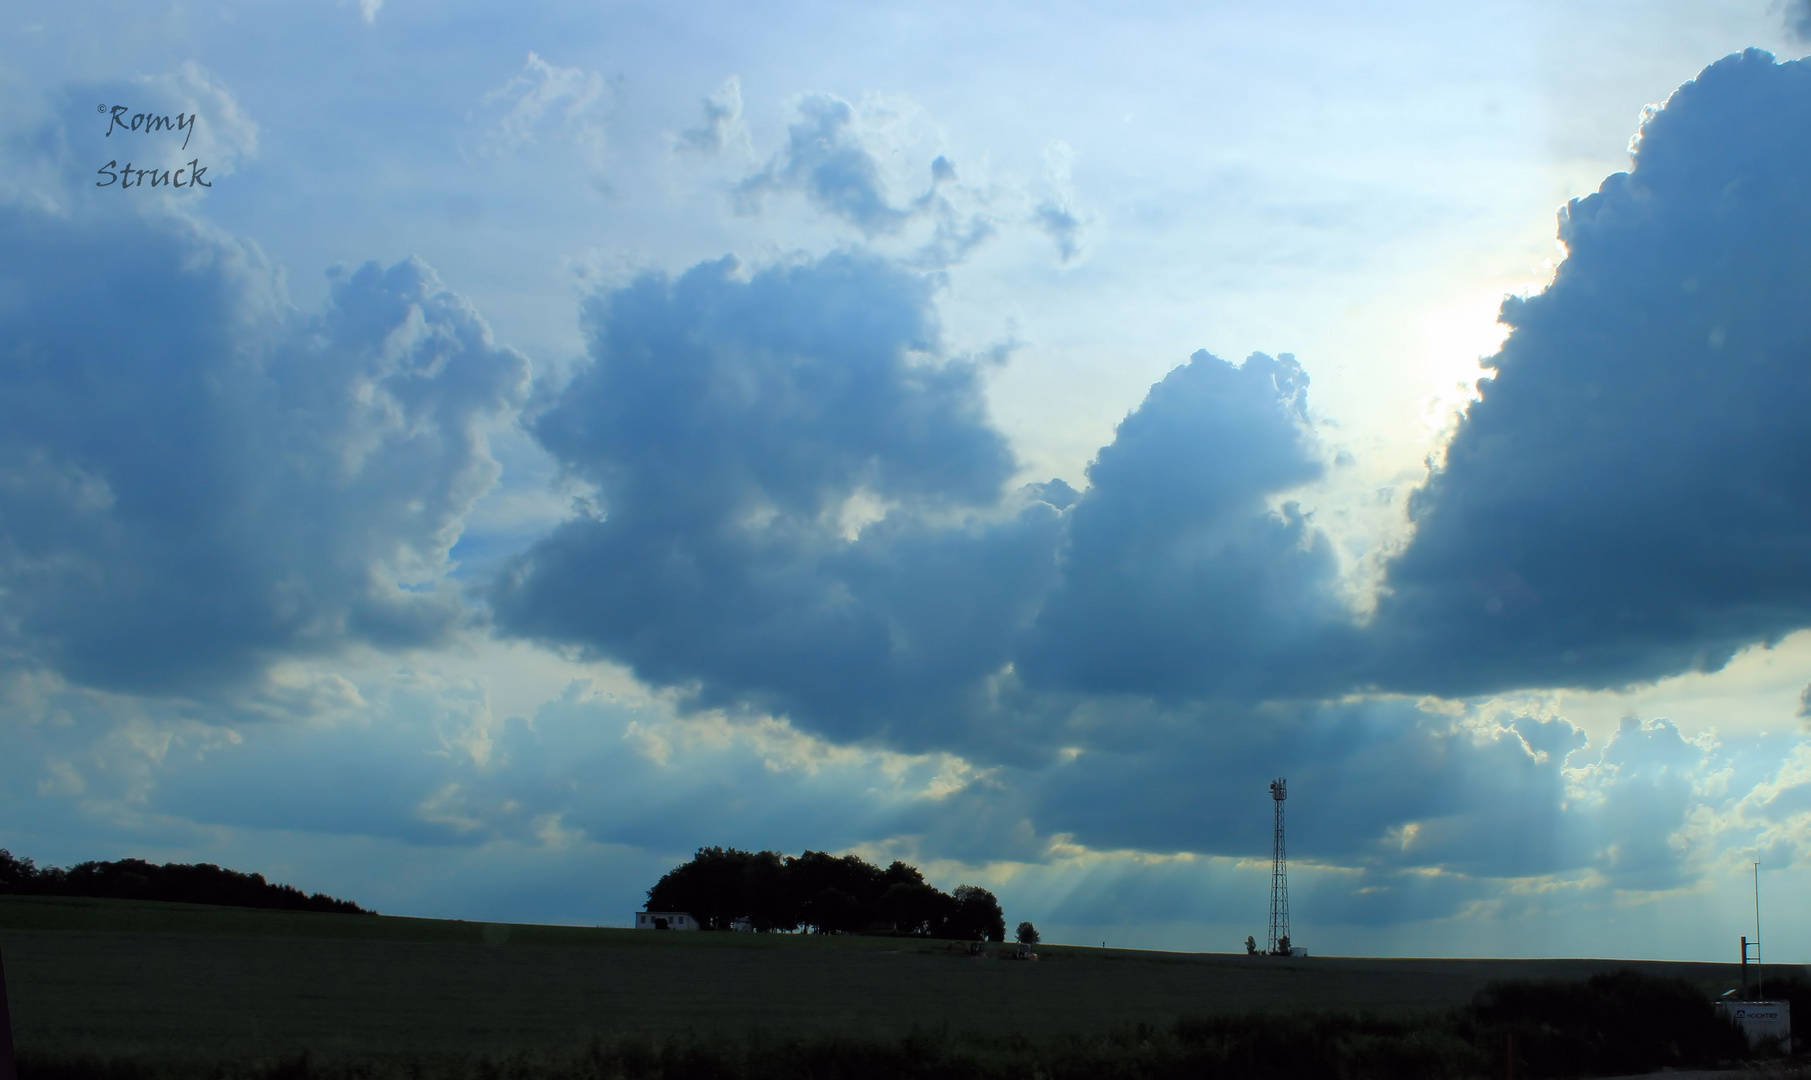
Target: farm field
<point>118,977</point>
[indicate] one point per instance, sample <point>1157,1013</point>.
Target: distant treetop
<point>136,879</point>
<point>824,893</point>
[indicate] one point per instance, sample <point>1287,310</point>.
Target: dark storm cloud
<point>1176,577</point>
<point>738,431</point>
<point>1631,497</point>
<point>196,480</point>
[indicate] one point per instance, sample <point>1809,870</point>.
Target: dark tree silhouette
<point>825,893</point>
<point>978,916</point>
<point>918,909</point>
<point>1027,934</point>
<point>136,879</point>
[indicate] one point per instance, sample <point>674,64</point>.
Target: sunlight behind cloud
<point>1454,339</point>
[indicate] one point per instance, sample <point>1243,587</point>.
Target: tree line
<point>136,879</point>
<point>823,893</point>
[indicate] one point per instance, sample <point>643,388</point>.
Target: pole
<point>1760,976</point>
<point>9,1069</point>
<point>1744,967</point>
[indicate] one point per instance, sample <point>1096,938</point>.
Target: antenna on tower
<point>1279,876</point>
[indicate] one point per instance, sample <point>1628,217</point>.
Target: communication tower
<point>1279,875</point>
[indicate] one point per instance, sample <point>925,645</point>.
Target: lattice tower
<point>1279,872</point>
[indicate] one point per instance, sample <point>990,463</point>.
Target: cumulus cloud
<point>801,507</point>
<point>196,480</point>
<point>799,499</point>
<point>828,159</point>
<point>1628,498</point>
<point>1177,578</point>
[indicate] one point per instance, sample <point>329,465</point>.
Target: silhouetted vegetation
<point>1606,1025</point>
<point>721,887</point>
<point>1617,1022</point>
<point>136,879</point>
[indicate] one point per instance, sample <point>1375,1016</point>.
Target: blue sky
<point>1001,439</point>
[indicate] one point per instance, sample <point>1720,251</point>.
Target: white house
<point>665,920</point>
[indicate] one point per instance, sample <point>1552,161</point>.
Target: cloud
<point>1622,503</point>
<point>1383,789</point>
<point>722,127</point>
<point>197,481</point>
<point>800,500</point>
<point>827,158</point>
<point>842,159</point>
<point>1628,498</point>
<point>1056,214</point>
<point>543,100</point>
<point>1797,14</point>
<point>1177,576</point>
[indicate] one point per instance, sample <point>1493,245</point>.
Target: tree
<point>717,887</point>
<point>826,893</point>
<point>1028,934</point>
<point>1283,945</point>
<point>978,916</point>
<point>17,876</point>
<point>833,911</point>
<point>136,879</point>
<point>916,909</point>
<point>815,873</point>
<point>1251,945</point>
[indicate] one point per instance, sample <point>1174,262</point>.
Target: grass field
<point>126,978</point>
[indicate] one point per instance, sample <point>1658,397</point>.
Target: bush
<point>1617,1022</point>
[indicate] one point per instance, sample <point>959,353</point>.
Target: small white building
<point>665,920</point>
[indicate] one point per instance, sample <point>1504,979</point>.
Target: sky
<point>472,456</point>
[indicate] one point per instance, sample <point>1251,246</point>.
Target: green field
<point>147,979</point>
